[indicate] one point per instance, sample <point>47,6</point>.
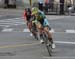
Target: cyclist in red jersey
<point>27,16</point>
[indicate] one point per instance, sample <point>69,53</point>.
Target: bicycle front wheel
<point>47,44</point>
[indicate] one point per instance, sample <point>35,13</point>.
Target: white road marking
<point>70,31</point>
<point>7,30</point>
<point>4,21</point>
<point>12,21</point>
<point>16,24</point>
<point>26,30</point>
<point>21,19</point>
<point>64,42</point>
<point>5,25</point>
<point>58,57</point>
<point>14,18</point>
<point>31,34</point>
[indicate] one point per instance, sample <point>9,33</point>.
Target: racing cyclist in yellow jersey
<point>41,21</point>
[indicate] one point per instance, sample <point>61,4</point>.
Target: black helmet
<point>27,9</point>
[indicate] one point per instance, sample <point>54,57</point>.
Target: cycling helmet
<point>27,9</point>
<point>34,10</point>
<point>40,2</point>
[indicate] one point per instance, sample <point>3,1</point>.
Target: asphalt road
<point>16,41</point>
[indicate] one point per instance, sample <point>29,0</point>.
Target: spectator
<point>70,10</point>
<point>40,3</point>
<point>6,3</point>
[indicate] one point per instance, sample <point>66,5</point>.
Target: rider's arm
<point>42,14</point>
<point>35,21</point>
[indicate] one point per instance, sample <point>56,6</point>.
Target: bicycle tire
<point>47,44</point>
<point>49,48</point>
<point>36,35</point>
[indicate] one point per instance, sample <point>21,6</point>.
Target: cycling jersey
<point>27,15</point>
<point>42,19</point>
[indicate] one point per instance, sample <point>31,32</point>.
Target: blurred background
<point>49,6</point>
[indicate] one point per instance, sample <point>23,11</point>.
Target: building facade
<point>24,3</point>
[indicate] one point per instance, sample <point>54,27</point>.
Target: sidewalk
<point>20,12</point>
<point>11,11</point>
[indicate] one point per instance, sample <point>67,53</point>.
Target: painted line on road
<point>14,18</point>
<point>63,42</point>
<point>12,23</point>
<point>19,18</point>
<point>53,31</point>
<point>7,30</point>
<point>70,31</point>
<point>58,57</point>
<point>5,25</point>
<point>27,30</point>
<point>19,45</point>
<point>4,21</point>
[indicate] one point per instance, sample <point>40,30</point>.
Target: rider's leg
<point>49,34</point>
<point>29,26</point>
<point>39,28</point>
<point>46,28</point>
<point>34,30</point>
<point>50,37</point>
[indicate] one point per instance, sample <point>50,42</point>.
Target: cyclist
<point>27,16</point>
<point>41,21</point>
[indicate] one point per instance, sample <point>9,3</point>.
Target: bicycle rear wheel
<point>35,32</point>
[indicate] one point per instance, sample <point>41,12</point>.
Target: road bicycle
<point>47,42</point>
<point>35,32</point>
